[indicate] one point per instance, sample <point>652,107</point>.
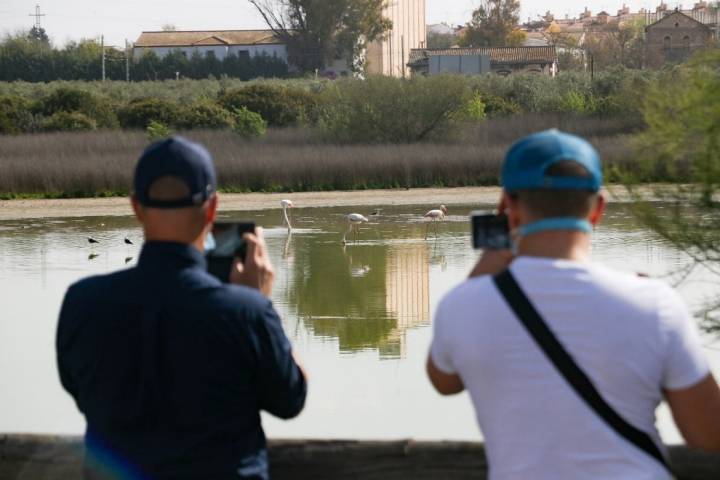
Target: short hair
<point>550,203</point>
<point>168,188</point>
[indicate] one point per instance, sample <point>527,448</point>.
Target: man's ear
<point>137,209</point>
<point>511,209</point>
<point>211,211</point>
<point>598,210</point>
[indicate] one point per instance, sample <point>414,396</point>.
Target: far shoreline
<point>120,206</point>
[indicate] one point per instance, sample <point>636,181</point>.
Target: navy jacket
<point>171,368</point>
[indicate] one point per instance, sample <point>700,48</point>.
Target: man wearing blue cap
<point>566,360</point>
<point>170,366</point>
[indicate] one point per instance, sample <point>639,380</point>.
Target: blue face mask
<point>210,243</point>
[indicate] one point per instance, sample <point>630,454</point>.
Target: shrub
<point>69,122</point>
<point>15,116</point>
<point>249,124</point>
<point>499,107</point>
<point>140,112</point>
<point>205,114</point>
<point>157,131</point>
<point>280,107</point>
<point>390,110</point>
<point>475,108</point>
<point>69,100</point>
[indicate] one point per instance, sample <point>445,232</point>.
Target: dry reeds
<point>101,163</point>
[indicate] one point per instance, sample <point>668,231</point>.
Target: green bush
<point>157,131</point>
<point>280,107</point>
<point>249,124</point>
<point>475,108</point>
<point>15,116</point>
<point>391,110</point>
<point>69,122</point>
<point>140,112</point>
<point>496,106</point>
<point>69,100</point>
<point>205,114</point>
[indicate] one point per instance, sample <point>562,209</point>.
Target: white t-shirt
<point>632,336</point>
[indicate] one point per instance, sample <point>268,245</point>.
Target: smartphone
<point>490,231</point>
<point>225,243</point>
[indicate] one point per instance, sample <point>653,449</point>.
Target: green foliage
<point>65,99</point>
<point>157,131</point>
<point>475,108</point>
<point>140,112</point>
<point>682,141</point>
<point>15,116</point>
<point>249,124</point>
<point>494,24</point>
<point>205,114</point>
<point>63,121</point>
<point>280,107</point>
<point>389,110</point>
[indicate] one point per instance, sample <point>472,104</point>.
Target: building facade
<point>674,39</point>
<point>221,43</point>
<point>503,60</point>
<point>391,55</point>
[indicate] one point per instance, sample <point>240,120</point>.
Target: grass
<point>75,165</point>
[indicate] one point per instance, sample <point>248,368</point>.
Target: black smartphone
<point>490,231</point>
<point>224,245</point>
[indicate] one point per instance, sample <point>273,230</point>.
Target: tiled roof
<point>498,55</point>
<point>220,37</point>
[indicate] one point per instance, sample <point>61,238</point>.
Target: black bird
<point>128,260</point>
<point>93,256</point>
<point>128,241</point>
<point>92,240</point>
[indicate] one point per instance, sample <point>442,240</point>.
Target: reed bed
<point>101,163</point>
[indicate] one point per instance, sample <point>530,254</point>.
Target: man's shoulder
<point>475,289</point>
<point>99,283</point>
<point>232,296</point>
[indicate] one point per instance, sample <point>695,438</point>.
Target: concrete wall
<point>391,55</point>
<point>24,457</point>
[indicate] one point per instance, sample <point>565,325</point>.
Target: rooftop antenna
<point>37,16</point>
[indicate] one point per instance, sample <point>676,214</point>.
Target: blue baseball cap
<point>528,160</point>
<point>176,157</point>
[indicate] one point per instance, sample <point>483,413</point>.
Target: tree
<point>682,143</point>
<point>494,24</point>
<point>38,34</point>
<point>441,40</point>
<point>317,32</point>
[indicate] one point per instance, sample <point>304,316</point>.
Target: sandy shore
<point>99,207</point>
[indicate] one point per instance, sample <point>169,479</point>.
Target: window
<point>667,42</point>
<point>686,42</point>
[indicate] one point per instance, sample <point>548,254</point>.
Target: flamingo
<point>285,204</point>
<point>436,215</point>
<point>354,220</point>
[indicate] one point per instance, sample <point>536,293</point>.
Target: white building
<point>221,42</point>
<point>391,55</point>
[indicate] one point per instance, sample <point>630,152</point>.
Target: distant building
<point>221,43</point>
<point>391,55</point>
<point>674,38</point>
<point>503,60</point>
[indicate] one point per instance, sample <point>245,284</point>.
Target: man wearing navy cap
<point>170,366</point>
<point>566,360</point>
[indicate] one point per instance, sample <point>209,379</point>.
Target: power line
<point>37,16</point>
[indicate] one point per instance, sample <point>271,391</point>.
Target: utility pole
<point>102,47</point>
<point>37,16</point>
<point>127,61</point>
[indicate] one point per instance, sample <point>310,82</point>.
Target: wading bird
<point>92,240</point>
<point>435,216</point>
<point>128,241</point>
<point>354,220</point>
<point>285,204</point>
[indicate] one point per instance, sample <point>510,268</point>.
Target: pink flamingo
<point>435,216</point>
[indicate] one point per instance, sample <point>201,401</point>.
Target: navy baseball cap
<point>175,157</point>
<point>528,160</point>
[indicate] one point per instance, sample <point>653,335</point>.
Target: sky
<point>118,20</point>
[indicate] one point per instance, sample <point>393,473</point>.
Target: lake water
<point>358,314</point>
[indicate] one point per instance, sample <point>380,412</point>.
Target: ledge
<point>40,457</point>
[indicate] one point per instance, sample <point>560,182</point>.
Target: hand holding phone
<point>225,245</point>
<point>490,231</point>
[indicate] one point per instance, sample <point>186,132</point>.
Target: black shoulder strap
<point>538,329</point>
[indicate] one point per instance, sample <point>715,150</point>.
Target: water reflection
<point>344,308</point>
